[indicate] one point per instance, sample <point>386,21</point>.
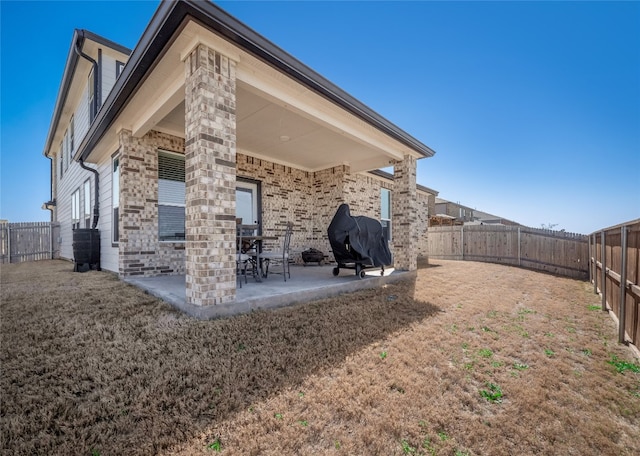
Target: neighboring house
<point>205,121</point>
<point>467,215</point>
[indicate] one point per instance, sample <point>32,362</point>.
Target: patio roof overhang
<point>285,112</point>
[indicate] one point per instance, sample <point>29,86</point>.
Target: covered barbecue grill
<point>357,242</point>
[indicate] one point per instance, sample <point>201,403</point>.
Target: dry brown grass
<point>90,364</point>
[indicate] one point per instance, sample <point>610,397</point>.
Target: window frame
<point>87,203</point>
<point>91,94</point>
<point>172,204</point>
<point>386,222</point>
<point>115,200</point>
<point>75,209</point>
<point>71,136</point>
<point>61,158</point>
<point>119,68</point>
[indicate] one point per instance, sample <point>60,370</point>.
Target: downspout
<point>96,206</point>
<point>96,77</point>
<point>96,105</point>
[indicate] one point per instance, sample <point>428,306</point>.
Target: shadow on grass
<point>90,363</point>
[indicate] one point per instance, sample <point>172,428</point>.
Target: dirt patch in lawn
<point>469,358</point>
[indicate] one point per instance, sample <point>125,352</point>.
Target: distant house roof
<point>169,20</point>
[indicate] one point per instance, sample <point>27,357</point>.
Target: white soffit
<point>278,119</point>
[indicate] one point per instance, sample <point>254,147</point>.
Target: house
<point>457,213</point>
<point>162,147</point>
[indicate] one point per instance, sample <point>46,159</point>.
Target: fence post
<point>623,287</point>
<point>462,240</point>
<point>603,260</point>
<point>595,264</point>
<point>50,240</point>
<point>519,249</point>
<point>8,243</point>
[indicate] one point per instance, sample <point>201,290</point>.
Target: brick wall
<point>309,199</point>
<point>140,252</point>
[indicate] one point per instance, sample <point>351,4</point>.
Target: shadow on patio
<point>307,283</point>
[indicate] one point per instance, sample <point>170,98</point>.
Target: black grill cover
<point>358,239</point>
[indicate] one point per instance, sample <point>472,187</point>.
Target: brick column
<point>138,205</point>
<point>404,215</point>
<point>210,177</point>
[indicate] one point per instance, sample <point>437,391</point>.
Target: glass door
<point>247,204</point>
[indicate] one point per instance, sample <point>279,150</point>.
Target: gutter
<point>169,19</point>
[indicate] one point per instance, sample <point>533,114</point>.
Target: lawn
<point>467,359</point>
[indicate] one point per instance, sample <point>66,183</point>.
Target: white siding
<point>82,116</point>
<point>73,178</point>
<point>109,254</point>
<point>108,75</point>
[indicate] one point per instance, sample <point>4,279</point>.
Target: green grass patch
<point>216,445</point>
<point>485,353</point>
<point>406,448</point>
<point>494,394</point>
<point>592,307</point>
<point>622,366</point>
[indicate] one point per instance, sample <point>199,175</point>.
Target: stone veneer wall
<point>312,198</point>
<point>140,252</point>
<point>286,194</point>
<point>422,228</point>
<point>404,214</point>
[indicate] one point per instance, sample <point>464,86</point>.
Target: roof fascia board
<point>105,42</point>
<point>170,18</point>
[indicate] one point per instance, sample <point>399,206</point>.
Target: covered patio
<point>307,283</point>
<point>207,112</point>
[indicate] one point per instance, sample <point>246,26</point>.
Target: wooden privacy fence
<point>29,241</point>
<point>561,253</point>
<point>615,273</point>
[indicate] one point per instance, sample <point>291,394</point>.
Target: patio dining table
<point>256,242</point>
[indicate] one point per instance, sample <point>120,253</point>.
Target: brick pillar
<point>404,215</point>
<point>138,205</point>
<point>210,177</point>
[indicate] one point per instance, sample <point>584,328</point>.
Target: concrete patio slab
<point>307,283</point>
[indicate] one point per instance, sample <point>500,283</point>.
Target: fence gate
<point>31,241</point>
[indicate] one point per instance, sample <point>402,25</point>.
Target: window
<point>115,198</point>
<point>87,204</point>
<point>71,136</point>
<point>75,209</point>
<point>119,68</point>
<point>171,197</point>
<point>92,95</point>
<point>385,212</point>
<point>61,159</point>
<point>67,152</point>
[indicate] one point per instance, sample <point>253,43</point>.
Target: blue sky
<point>533,108</point>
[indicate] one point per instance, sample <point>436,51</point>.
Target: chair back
<point>287,238</point>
